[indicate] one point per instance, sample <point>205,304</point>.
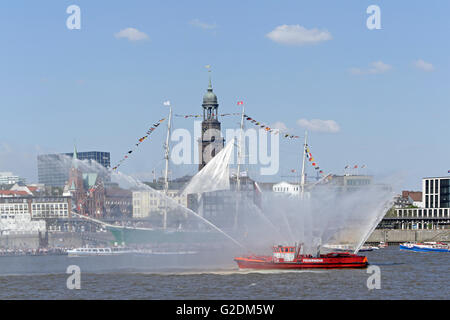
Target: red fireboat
<point>288,257</point>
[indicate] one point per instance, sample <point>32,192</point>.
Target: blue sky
<point>59,86</point>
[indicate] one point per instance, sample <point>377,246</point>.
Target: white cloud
<point>5,148</point>
<point>203,25</point>
<point>423,65</point>
<point>280,126</point>
<point>376,67</point>
<point>131,34</point>
<point>298,35</point>
<point>319,125</point>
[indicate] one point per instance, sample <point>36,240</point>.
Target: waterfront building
<point>435,210</point>
<point>15,218</point>
<point>408,199</point>
<point>8,178</point>
<point>286,187</point>
<point>149,203</point>
<point>118,202</point>
<point>53,169</point>
<point>436,192</point>
<point>350,182</point>
<point>13,193</point>
<point>101,157</point>
<point>50,207</point>
<point>29,214</point>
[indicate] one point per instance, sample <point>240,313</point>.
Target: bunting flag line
<point>139,141</point>
<point>312,160</point>
<point>269,129</point>
<point>355,166</point>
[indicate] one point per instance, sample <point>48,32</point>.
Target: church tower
<point>75,184</point>
<point>211,141</point>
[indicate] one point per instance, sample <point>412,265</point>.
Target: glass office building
<point>53,169</point>
<point>436,192</point>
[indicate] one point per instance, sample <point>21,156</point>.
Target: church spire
<point>209,72</point>
<point>75,157</point>
<point>210,88</point>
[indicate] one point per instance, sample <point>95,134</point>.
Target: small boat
<point>368,248</point>
<point>382,245</point>
<point>289,257</point>
<point>425,247</point>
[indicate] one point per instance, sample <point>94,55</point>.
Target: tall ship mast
<point>303,175</point>
<point>238,173</point>
<point>166,157</point>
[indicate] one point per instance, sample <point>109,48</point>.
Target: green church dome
<point>209,98</point>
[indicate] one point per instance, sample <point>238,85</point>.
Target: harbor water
<point>404,275</point>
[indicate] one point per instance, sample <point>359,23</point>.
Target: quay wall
<point>22,241</point>
<point>72,239</point>
<point>55,239</point>
<point>399,236</point>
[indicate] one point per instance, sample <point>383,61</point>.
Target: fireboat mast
<point>166,157</point>
<point>303,176</point>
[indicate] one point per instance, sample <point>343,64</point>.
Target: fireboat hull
<point>347,262</point>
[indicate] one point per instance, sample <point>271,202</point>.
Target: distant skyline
<point>378,98</point>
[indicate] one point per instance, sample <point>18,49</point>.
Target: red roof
<point>415,195</point>
<point>13,193</point>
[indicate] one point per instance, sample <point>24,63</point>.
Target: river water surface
<point>404,275</point>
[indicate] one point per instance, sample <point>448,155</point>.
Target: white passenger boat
<point>77,252</point>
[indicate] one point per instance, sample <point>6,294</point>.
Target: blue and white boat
<point>425,247</point>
